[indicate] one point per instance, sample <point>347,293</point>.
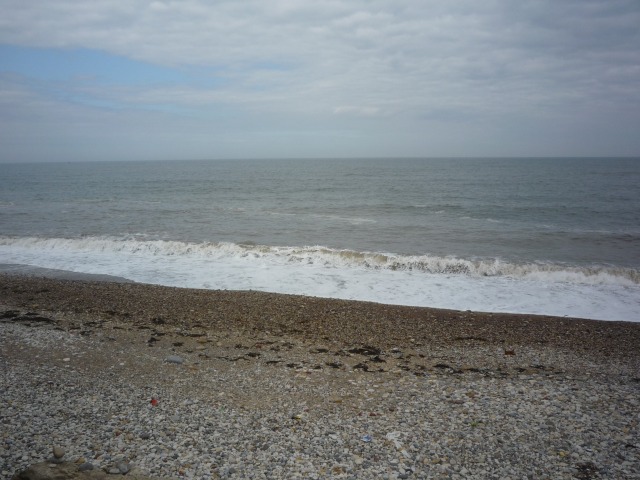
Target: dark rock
<point>365,350</point>
<point>586,471</point>
<point>85,467</point>
<point>334,364</point>
<point>441,365</point>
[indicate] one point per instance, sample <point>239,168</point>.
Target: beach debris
<point>367,438</point>
<point>154,402</point>
<point>393,438</point>
<point>509,352</point>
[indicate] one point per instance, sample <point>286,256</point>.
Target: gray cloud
<point>456,77</point>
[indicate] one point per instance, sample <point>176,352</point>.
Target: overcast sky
<point>189,79</point>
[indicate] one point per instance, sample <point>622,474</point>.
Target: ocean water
<point>547,236</point>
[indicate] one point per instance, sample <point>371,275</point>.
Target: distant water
<point>552,236</point>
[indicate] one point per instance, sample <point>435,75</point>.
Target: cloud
<point>396,66</point>
<point>353,110</point>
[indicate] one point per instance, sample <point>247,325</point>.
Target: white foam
<point>446,282</point>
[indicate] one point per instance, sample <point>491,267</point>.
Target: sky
<point>195,79</point>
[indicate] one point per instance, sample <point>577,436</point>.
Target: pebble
<point>58,452</point>
<point>502,431</point>
<point>174,359</point>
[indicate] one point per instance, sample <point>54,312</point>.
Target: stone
<point>174,359</point>
<point>135,472</point>
<point>58,452</point>
<point>85,467</point>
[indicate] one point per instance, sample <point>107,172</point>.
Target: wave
<point>326,257</point>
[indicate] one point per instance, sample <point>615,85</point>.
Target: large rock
<point>68,471</point>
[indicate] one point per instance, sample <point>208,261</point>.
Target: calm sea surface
<point>559,236</point>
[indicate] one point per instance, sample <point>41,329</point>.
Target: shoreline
<point>312,317</point>
<point>592,293</point>
<point>261,385</point>
<point>18,269</point>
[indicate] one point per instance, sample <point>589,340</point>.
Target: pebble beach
<point>132,379</point>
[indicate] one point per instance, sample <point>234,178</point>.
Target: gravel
<point>421,409</point>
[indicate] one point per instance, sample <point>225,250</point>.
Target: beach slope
<point>220,384</point>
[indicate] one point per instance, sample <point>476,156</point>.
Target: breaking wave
<point>325,257</point>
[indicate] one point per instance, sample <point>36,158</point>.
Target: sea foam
<point>595,291</point>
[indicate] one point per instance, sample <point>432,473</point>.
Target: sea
<point>553,236</point>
